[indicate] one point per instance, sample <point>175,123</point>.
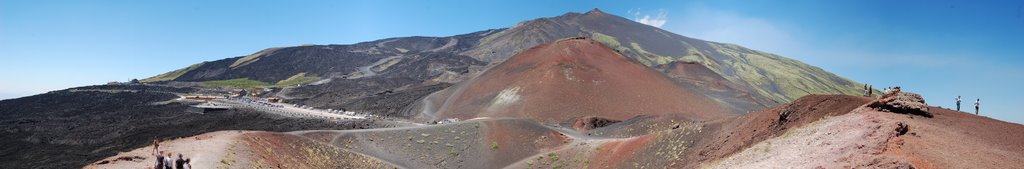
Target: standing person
<point>957,103</point>
<point>870,92</point>
<point>168,164</point>
<point>180,163</point>
<point>976,104</point>
<point>159,155</point>
<point>188,163</point>
<point>865,89</point>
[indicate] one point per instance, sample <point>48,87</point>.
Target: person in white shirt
<point>168,163</point>
<point>957,103</point>
<point>976,104</point>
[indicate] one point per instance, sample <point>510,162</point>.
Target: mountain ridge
<point>758,79</point>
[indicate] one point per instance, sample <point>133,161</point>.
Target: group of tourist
<point>867,90</point>
<point>164,162</point>
<point>977,104</point>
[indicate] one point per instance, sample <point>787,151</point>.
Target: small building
<point>207,108</point>
<point>274,100</point>
<point>203,97</point>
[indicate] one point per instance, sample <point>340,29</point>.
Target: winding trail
<point>286,110</point>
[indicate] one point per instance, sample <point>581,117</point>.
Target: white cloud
<point>656,21</point>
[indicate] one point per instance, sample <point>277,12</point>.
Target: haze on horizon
<point>940,49</point>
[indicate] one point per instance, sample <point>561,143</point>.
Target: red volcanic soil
<point>949,139</point>
<point>728,136</point>
<point>573,78</point>
<point>680,144</point>
<point>282,150</point>
<point>617,152</point>
<point>954,139</point>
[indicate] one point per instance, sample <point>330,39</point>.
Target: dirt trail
<point>203,150</point>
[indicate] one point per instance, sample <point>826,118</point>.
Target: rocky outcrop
<point>896,101</point>
<point>590,122</point>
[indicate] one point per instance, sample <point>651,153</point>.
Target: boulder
<point>897,101</point>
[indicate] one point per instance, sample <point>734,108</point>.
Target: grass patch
<point>653,59</point>
<point>173,74</point>
<point>779,78</point>
<point>296,79</point>
<point>237,83</point>
<point>253,57</point>
<point>607,40</point>
<point>300,78</point>
<point>494,145</point>
<point>386,65</point>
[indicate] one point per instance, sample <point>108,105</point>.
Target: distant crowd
<point>977,104</point>
<point>164,162</point>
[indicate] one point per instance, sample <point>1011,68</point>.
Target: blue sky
<point>937,48</point>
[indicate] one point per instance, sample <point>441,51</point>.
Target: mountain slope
<point>768,75</point>
<point>569,78</point>
<point>755,79</point>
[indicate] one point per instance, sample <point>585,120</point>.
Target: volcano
<point>569,78</point>
<point>628,95</point>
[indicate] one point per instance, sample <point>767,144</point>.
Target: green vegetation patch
<point>781,79</point>
<point>607,40</point>
<point>253,57</point>
<point>300,78</point>
<point>386,65</point>
<point>652,59</point>
<point>173,74</point>
<point>237,83</point>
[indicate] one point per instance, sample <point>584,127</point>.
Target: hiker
<point>180,163</point>
<point>870,91</point>
<point>188,164</point>
<point>159,154</point>
<point>976,104</point>
<point>865,89</point>
<point>168,164</point>
<point>957,103</point>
